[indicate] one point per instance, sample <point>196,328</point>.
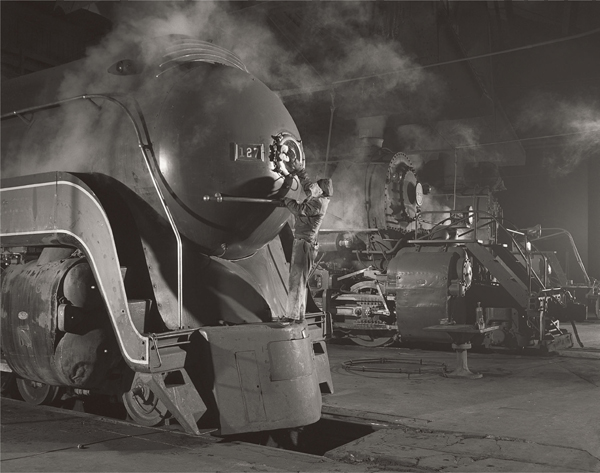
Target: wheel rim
<point>144,407</point>
<point>37,393</point>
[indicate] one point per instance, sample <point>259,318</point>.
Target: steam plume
<point>547,114</point>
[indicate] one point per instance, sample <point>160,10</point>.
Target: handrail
<point>491,219</point>
<point>145,149</point>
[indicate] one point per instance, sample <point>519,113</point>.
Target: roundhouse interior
<point>461,136</point>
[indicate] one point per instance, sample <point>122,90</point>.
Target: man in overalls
<point>309,216</point>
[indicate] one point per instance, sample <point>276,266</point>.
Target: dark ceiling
<point>536,74</point>
<point>338,42</point>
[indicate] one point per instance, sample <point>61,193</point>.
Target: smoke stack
<point>370,134</point>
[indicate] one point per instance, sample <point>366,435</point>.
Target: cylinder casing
<point>34,300</point>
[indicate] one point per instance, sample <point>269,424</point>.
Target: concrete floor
<point>538,406</point>
<point>49,439</point>
<point>527,413</point>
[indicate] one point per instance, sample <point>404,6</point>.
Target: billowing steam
<point>132,37</point>
<point>419,137</point>
<point>575,123</point>
<point>348,208</point>
<point>286,59</point>
<point>279,57</point>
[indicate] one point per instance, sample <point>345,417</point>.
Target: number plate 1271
<point>247,152</point>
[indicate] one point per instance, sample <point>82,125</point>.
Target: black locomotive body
<point>417,262</point>
<point>119,278</point>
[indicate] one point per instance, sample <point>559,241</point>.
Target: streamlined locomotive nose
<point>215,135</point>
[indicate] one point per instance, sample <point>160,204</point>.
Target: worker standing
<point>309,215</point>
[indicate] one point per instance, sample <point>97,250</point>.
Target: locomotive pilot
<point>309,215</point>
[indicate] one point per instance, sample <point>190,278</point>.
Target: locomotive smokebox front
<point>215,133</point>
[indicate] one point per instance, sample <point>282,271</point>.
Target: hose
<point>576,333</point>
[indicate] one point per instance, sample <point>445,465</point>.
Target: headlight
<point>283,151</point>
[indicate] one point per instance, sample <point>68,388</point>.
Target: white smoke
<point>419,137</point>
<point>576,122</point>
<point>136,28</point>
<point>257,36</point>
<point>347,209</point>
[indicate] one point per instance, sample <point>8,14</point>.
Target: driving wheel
<point>37,393</point>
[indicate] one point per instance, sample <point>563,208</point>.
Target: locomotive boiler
<point>119,278</point>
<point>417,255</point>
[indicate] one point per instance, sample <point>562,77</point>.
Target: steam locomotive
<point>422,255</point>
<point>118,278</point>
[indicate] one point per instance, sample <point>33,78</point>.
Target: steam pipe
<point>562,231</point>
<point>219,198</point>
